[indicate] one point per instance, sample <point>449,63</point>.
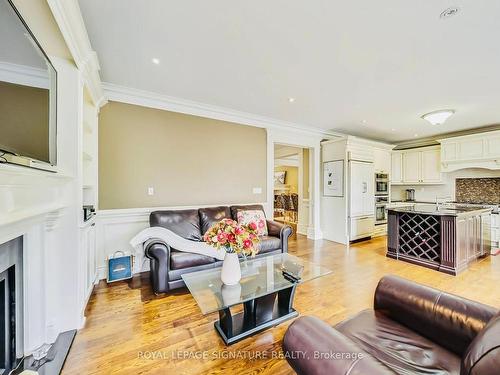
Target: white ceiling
<point>386,62</point>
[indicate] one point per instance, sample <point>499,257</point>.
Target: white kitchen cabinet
<point>473,149</point>
<point>431,166</point>
<point>417,166</point>
<point>449,151</point>
<point>481,150</point>
<point>379,230</point>
<point>361,227</point>
<point>362,201</point>
<point>396,175</point>
<point>382,160</point>
<point>495,232</point>
<point>492,146</point>
<point>412,171</point>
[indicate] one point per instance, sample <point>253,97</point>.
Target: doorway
<point>291,192</point>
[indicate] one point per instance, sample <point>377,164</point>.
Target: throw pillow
<point>245,217</point>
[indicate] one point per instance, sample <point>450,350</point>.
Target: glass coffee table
<point>266,291</point>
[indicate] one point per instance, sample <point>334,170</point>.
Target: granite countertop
<point>431,209</point>
<point>404,201</point>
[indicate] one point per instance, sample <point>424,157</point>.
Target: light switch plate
<point>151,190</point>
<point>257,190</point>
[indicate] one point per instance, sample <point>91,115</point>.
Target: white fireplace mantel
<point>37,206</point>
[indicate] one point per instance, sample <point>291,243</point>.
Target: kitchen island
<point>445,238</point>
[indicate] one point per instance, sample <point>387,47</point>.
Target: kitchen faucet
<point>440,201</point>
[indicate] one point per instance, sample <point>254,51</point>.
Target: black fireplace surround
<point>8,319</point>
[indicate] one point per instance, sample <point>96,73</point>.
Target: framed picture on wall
<point>333,178</point>
<point>279,178</point>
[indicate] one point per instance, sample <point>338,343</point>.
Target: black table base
<point>258,314</point>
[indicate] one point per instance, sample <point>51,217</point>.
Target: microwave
<point>381,184</point>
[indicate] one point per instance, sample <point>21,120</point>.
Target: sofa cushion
<point>211,215</point>
<point>313,347</point>
<point>180,260</point>
<point>185,223</point>
<point>268,243</point>
<point>398,347</point>
<point>446,319</point>
<point>483,355</point>
<point>235,209</point>
<point>257,217</point>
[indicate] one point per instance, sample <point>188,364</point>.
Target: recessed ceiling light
<point>155,60</point>
<point>291,100</point>
<point>393,130</point>
<point>415,135</point>
<point>449,12</point>
<point>364,122</point>
<point>438,117</point>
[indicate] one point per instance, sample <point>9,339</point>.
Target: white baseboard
<point>101,273</point>
<point>302,229</point>
<point>82,322</point>
<point>314,233</point>
<point>335,238</point>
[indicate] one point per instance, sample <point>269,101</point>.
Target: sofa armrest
<point>159,254</point>
<point>312,347</point>
<point>451,321</point>
<point>280,230</point>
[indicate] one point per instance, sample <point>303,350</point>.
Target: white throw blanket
<point>173,240</point>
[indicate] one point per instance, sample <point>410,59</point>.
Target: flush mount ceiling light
<point>438,117</point>
<point>155,60</point>
<point>291,100</point>
<point>449,12</point>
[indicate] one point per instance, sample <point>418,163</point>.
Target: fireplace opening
<point>11,305</point>
<point>8,358</point>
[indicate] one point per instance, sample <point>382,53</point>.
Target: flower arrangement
<point>227,234</point>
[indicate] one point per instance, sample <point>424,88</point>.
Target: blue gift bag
<point>120,266</point>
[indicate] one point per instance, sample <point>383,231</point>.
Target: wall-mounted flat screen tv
<point>27,95</point>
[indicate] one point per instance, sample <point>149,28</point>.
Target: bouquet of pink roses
<point>227,234</point>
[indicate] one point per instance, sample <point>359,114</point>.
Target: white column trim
<point>70,21</point>
<point>303,141</point>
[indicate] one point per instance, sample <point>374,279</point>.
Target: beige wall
<point>24,120</point>
<point>188,160</point>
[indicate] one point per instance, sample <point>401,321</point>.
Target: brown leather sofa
<point>413,329</point>
<point>167,264</point>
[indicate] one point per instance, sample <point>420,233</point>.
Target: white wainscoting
<point>115,228</point>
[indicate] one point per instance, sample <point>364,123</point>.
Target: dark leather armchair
<point>413,329</point>
<point>167,265</point>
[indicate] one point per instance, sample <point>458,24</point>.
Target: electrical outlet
<point>151,190</point>
<point>257,190</point>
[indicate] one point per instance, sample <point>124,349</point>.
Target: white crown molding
<point>69,19</point>
<point>150,99</point>
<point>368,142</point>
<point>24,75</point>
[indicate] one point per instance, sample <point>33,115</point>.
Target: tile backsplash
<point>478,190</point>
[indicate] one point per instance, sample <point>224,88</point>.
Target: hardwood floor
<point>131,331</point>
